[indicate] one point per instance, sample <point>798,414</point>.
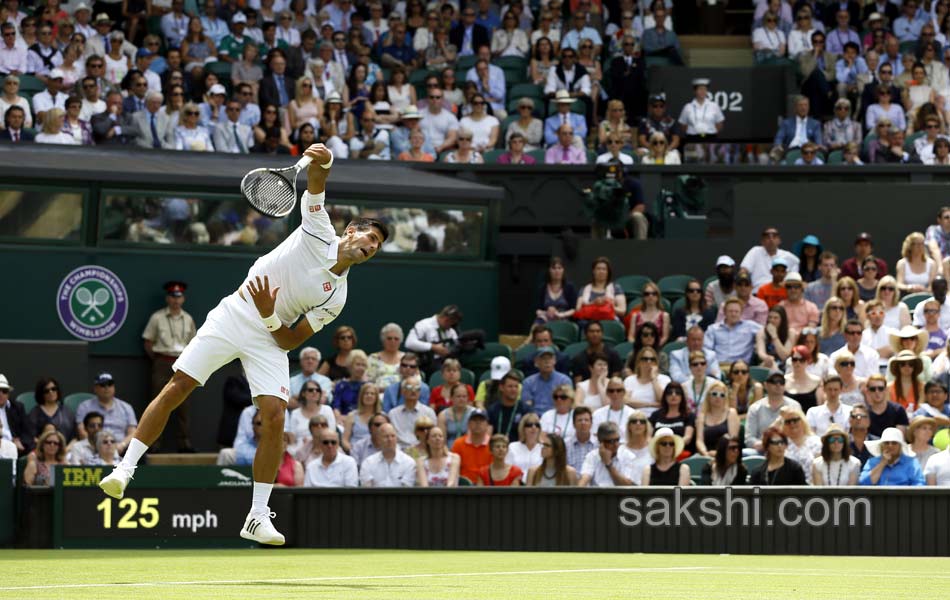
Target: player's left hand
<point>264,298</point>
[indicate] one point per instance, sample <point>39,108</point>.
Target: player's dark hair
<point>364,223</point>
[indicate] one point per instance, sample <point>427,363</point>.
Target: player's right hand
<point>264,298</point>
<point>320,154</point>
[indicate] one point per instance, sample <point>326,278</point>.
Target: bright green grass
<point>292,574</point>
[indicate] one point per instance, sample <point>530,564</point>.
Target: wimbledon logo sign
<point>92,303</point>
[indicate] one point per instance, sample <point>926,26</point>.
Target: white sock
<point>134,452</point>
<point>261,496</point>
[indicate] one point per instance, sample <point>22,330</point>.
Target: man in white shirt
<point>821,417</point>
<point>92,104</point>
<point>939,288</point>
<point>866,359</point>
<point>616,411</point>
<point>439,125</point>
<point>43,56</point>
<point>372,443</point>
<point>937,471</point>
<point>13,57</point>
<point>611,464</point>
<point>758,260</point>
<point>335,469</point>
<point>876,335</point>
<point>569,76</point>
<point>232,136</point>
<point>404,416</point>
<point>175,24</point>
<point>83,15</point>
<point>51,97</point>
<point>372,142</point>
<point>431,338</point>
<point>376,27</point>
<point>390,467</point>
<point>259,327</point>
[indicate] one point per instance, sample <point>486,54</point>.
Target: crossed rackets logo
<point>94,302</point>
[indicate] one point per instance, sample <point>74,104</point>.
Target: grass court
<point>396,574</point>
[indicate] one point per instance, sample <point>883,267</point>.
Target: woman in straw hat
<point>915,340</point>
<point>777,469</point>
<point>835,466</point>
<point>919,435</point>
<point>666,470</point>
<point>907,389</point>
<point>892,462</point>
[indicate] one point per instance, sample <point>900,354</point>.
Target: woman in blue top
<point>346,393</point>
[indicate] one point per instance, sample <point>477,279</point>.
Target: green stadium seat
<point>671,346</point>
<point>623,350</point>
<point>836,158</point>
<point>759,373</point>
<point>674,286</point>
<point>632,284</point>
<point>871,136</point>
<point>909,142</point>
<point>463,64</point>
<point>632,155</point>
<point>480,360</point>
<point>563,332</point>
<point>537,155</point>
<point>526,90</point>
<point>574,349</point>
<point>74,400</point>
<point>524,353</point>
<point>614,332</point>
<point>27,399</point>
<point>912,300</point>
<point>696,465</point>
<point>221,69</point>
<point>491,156</point>
<point>468,376</point>
<point>591,157</point>
<point>31,85</point>
<point>658,61</point>
<point>465,482</point>
<point>678,303</point>
<point>791,156</point>
<point>752,463</point>
<point>909,47</point>
<point>709,280</point>
<point>515,68</point>
<point>418,80</point>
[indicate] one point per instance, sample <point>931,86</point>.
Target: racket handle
<point>303,163</point>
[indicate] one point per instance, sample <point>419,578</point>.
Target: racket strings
<point>271,193</point>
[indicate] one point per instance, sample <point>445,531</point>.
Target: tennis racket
<point>273,192</point>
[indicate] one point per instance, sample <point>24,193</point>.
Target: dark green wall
<point>384,290</point>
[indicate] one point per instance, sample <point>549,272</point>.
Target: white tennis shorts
<point>233,329</point>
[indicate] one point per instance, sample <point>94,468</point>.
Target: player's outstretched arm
<point>265,299</point>
<point>317,174</point>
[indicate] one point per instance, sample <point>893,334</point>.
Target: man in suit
<point>564,116</point>
<point>112,126</point>
<point>798,129</point>
<point>154,127</point>
<point>233,136</point>
<point>18,427</point>
<point>14,131</point>
<point>628,80</point>
<point>297,57</point>
<point>467,35</point>
<point>135,101</point>
<point>277,87</point>
<point>565,151</point>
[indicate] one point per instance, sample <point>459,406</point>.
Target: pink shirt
<point>800,315</point>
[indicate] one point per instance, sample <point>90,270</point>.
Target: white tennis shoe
<point>115,483</point>
<point>258,528</point>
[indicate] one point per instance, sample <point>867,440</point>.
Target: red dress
<point>285,474</point>
<point>513,473</point>
<point>437,401</point>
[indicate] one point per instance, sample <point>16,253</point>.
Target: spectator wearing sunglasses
<point>613,153</point>
<point>726,468</point>
<point>659,152</point>
<point>610,464</point>
<point>50,410</point>
<point>764,412</point>
<point>334,468</point>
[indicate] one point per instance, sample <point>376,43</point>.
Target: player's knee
<point>178,388</point>
<point>272,414</point>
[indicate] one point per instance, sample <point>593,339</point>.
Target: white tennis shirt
<point>300,267</point>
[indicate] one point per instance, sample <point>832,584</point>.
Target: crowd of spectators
<point>788,367</point>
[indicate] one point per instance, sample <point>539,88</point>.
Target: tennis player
<point>289,294</point>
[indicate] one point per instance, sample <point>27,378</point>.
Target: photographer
<point>615,203</point>
<point>434,338</point>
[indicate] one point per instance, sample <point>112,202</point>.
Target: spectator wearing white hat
<point>702,117</point>
<point>213,108</point>
<point>892,462</point>
<point>82,15</point>
<point>51,97</point>
<point>489,390</point>
<point>399,136</point>
<point>231,46</point>
<point>665,447</point>
<point>724,284</point>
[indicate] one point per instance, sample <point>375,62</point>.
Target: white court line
<point>350,578</point>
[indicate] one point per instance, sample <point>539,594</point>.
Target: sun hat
<point>563,97</point>
<point>918,422</point>
<point>903,356</point>
<point>907,332</point>
<point>4,384</point>
<point>834,429</point>
<point>808,240</point>
<point>891,434</point>
<point>665,432</point>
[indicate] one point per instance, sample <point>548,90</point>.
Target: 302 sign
<point>135,513</point>
<point>728,101</point>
